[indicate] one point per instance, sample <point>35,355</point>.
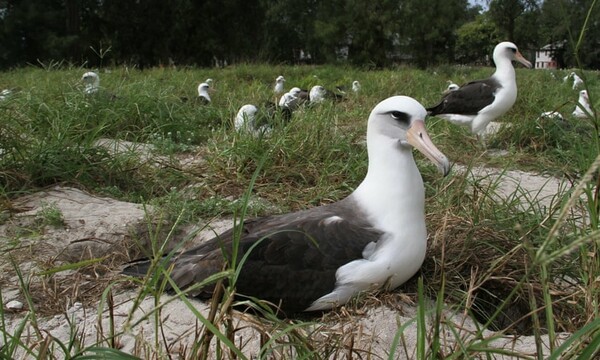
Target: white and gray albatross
<point>479,102</point>
<point>320,258</point>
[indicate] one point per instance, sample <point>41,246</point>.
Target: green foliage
<point>476,40</point>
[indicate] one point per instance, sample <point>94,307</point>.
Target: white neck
<point>505,72</point>
<point>392,193</point>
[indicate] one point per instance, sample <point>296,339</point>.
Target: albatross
<point>451,86</point>
<point>259,121</point>
<point>477,103</point>
<point>278,88</point>
<point>91,81</point>
<point>203,95</point>
<point>319,258</point>
<point>583,108</point>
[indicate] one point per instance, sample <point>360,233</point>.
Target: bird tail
<point>137,268</point>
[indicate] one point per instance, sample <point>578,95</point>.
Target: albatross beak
<point>522,60</point>
<point>417,136</point>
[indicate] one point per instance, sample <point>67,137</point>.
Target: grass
<point>513,263</point>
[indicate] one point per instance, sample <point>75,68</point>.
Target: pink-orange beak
<point>520,58</point>
<point>417,136</point>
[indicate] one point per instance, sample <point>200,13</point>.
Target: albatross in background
<point>91,81</point>
<point>451,86</point>
<point>203,95</point>
<point>259,121</point>
<point>583,108</point>
<point>245,121</point>
<point>477,103</point>
<point>317,94</point>
<point>320,258</point>
<point>577,81</point>
<point>278,88</point>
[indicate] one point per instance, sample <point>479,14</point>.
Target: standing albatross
<point>319,258</point>
<point>477,103</point>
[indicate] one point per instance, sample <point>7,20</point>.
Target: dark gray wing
<point>293,262</point>
<point>468,99</point>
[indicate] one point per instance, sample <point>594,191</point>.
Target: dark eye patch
<point>401,117</point>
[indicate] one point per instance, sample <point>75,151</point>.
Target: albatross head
<point>317,94</point>
<point>203,91</point>
<point>402,118</point>
<point>91,80</point>
<point>508,50</point>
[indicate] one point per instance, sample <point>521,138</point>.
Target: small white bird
<point>583,109</point>
<point>91,80</point>
<point>203,95</point>
<point>577,81</point>
<point>278,89</point>
<point>356,86</point>
<point>209,81</point>
<point>246,121</point>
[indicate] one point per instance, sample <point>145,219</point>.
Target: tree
<point>34,30</point>
<point>506,12</point>
<point>476,40</point>
<point>427,28</point>
<point>562,21</point>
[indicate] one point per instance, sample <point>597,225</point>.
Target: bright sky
<point>483,3</point>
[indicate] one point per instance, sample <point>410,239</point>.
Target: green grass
<point>487,257</point>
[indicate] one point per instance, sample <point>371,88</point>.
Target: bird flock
<point>320,258</point>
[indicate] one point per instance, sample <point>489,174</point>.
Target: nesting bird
<point>451,86</point>
<point>245,121</point>
<point>203,95</point>
<point>91,81</point>
<point>477,103</point>
<point>356,86</point>
<point>583,108</point>
<point>5,94</point>
<point>258,121</point>
<point>577,81</point>
<point>279,82</point>
<point>317,94</point>
<point>320,258</point>
<point>555,115</point>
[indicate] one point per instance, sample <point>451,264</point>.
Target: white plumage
<point>91,80</point>
<point>279,82</point>
<point>577,81</point>
<point>583,108</point>
<point>203,92</point>
<point>317,94</point>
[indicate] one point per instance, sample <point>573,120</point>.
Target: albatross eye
<point>402,117</point>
